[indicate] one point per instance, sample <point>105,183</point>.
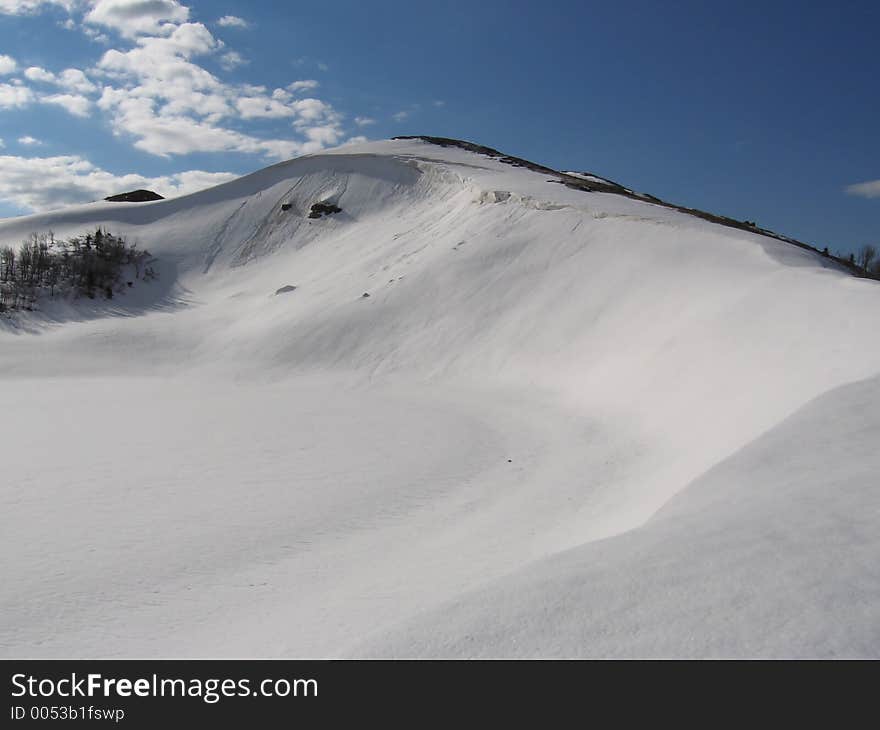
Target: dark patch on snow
<point>285,289</point>
<point>286,206</point>
<point>365,295</point>
<point>135,196</point>
<point>320,209</point>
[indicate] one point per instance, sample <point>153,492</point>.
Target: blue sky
<point>767,111</point>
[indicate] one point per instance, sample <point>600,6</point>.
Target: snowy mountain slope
<point>355,449</point>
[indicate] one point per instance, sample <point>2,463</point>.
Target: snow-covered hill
<point>563,422</point>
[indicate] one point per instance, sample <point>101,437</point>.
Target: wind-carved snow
<point>538,375</point>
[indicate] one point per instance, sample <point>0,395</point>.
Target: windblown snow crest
<point>472,370</point>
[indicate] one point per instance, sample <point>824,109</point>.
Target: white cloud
<point>29,141</point>
<point>71,79</point>
<point>232,59</point>
<point>319,122</point>
<point>35,73</point>
<point>165,59</point>
<point>233,21</point>
<point>364,121</point>
<point>40,183</point>
<point>165,134</point>
<point>132,18</point>
<point>401,116</point>
<point>186,40</point>
<point>75,104</point>
<point>2,145</point>
<point>15,96</point>
<point>24,7</point>
<point>321,136</point>
<point>96,35</point>
<point>18,96</point>
<point>263,107</point>
<point>8,65</point>
<point>159,74</point>
<point>313,110</point>
<point>869,189</point>
<point>304,85</point>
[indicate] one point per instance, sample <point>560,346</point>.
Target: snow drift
<point>563,422</point>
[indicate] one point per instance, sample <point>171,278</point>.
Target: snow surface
<point>562,423</point>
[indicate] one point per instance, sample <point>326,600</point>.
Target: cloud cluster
<point>40,183</point>
<point>75,104</point>
<point>160,93</point>
<point>72,86</point>
<point>159,86</point>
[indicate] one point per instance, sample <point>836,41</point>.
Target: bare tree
<point>866,256</point>
<point>7,263</point>
<point>80,266</point>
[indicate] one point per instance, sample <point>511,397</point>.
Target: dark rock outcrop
<point>321,209</point>
<point>135,196</point>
